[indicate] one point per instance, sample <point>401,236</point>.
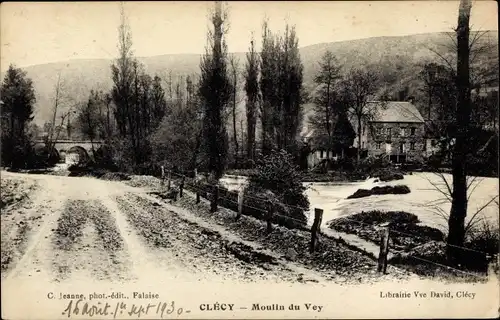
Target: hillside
<point>397,58</point>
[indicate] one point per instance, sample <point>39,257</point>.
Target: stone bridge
<point>65,145</point>
<point>80,149</point>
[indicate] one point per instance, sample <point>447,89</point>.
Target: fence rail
<point>268,213</point>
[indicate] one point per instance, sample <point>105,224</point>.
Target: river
<point>424,200</point>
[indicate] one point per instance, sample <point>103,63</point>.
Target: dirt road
<point>76,228</point>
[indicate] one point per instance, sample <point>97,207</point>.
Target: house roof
<point>396,111</point>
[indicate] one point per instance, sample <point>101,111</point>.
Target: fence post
<point>169,183</point>
<point>240,202</point>
<point>215,199</point>
<point>384,250</point>
<point>318,217</point>
<point>270,210</point>
<point>162,175</point>
<point>181,186</point>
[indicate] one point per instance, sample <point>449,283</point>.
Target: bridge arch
<point>76,155</point>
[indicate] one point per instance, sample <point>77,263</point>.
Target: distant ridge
<point>399,55</point>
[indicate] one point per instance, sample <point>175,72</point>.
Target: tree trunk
<point>235,132</point>
<point>429,107</point>
<point>12,134</point>
<point>459,170</point>
<point>359,139</point>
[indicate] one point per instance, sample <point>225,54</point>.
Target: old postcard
<point>249,160</point>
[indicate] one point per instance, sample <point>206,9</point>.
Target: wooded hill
<point>398,59</point>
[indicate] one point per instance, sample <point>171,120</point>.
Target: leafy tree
<point>252,93</point>
<point>215,91</point>
<point>268,85</point>
<point>281,88</point>
<point>18,99</point>
<point>176,142</point>
<point>90,118</point>
<point>234,65</point>
<point>139,101</point>
<point>289,109</point>
<point>122,74</point>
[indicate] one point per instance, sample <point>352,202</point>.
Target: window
<point>402,132</point>
<point>379,145</point>
<point>412,131</point>
<point>388,148</point>
<point>389,131</point>
<point>321,154</point>
<point>412,145</point>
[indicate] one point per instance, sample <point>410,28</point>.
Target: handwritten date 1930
<point>120,309</point>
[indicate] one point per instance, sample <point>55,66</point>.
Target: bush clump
<point>388,174</point>
<point>278,174</point>
<point>405,231</point>
<point>116,176</point>
<point>371,164</point>
<point>398,189</point>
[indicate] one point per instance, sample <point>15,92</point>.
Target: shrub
<point>119,176</point>
<point>103,157</point>
<point>379,217</point>
<point>406,231</point>
<point>398,189</point>
<point>483,239</point>
<point>388,174</point>
<point>343,164</point>
<point>278,173</point>
<point>361,193</point>
<point>371,163</point>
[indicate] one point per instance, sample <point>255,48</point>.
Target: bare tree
<point>60,101</point>
<point>357,88</point>
<point>326,109</point>
<point>456,235</point>
<point>443,185</point>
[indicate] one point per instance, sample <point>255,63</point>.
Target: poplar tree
<point>215,92</point>
<point>252,93</point>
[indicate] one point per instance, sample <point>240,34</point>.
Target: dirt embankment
<point>196,248</point>
<point>18,218</point>
<point>333,259</point>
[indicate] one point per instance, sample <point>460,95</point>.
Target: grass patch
<point>405,231</point>
<point>421,249</point>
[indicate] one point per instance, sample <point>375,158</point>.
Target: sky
<point>36,32</point>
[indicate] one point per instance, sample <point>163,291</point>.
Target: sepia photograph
<point>257,160</point>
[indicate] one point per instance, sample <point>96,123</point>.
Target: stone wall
<point>387,137</point>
